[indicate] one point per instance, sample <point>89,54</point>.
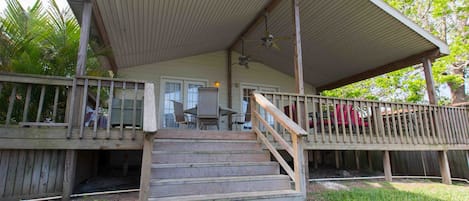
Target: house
<point>163,50</point>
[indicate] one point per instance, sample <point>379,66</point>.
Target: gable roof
<point>342,41</point>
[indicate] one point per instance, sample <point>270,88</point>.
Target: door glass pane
<point>192,92</point>
<point>172,92</point>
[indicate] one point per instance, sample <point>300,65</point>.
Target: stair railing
<point>262,127</point>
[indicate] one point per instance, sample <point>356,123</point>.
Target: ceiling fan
<point>243,60</point>
<point>269,40</point>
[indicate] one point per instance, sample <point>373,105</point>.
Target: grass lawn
<point>405,190</point>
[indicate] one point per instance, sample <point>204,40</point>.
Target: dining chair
<point>179,116</point>
<point>208,111</point>
<point>243,118</point>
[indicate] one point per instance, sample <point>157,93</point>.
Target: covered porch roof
<point>342,41</point>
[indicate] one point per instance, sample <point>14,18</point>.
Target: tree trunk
<point>458,93</point>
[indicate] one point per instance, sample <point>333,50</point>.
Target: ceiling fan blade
<point>275,46</point>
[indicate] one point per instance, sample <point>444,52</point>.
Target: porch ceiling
<point>340,39</point>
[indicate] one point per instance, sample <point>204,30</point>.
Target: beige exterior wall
<point>211,67</point>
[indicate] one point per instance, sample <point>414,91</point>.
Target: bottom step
<point>282,195</point>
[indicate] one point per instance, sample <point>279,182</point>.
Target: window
<point>246,90</point>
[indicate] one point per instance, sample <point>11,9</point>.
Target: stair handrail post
<point>299,164</point>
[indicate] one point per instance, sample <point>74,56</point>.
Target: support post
<point>337,159</point>
<point>467,158</point>
<point>357,159</point>
<point>316,159</point>
<point>370,160</point>
<point>299,165</point>
<point>444,167</point>
<point>229,84</point>
<point>145,174</point>
<point>84,37</point>
<point>387,166</point>
<point>297,52</point>
<point>69,173</point>
<point>427,69</point>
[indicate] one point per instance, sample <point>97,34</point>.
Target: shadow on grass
<point>372,194</point>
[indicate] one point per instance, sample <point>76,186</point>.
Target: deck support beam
<point>427,69</point>
<point>444,167</point>
<point>370,160</point>
<point>357,159</point>
<point>387,166</point>
<point>229,84</point>
<point>69,173</point>
<point>337,159</point>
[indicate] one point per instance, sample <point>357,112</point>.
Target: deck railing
<point>347,121</point>
<point>85,106</point>
<point>261,126</point>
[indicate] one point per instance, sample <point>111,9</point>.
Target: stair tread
<point>253,151</point>
<point>216,179</point>
<point>215,164</point>
<point>204,140</point>
<point>224,196</point>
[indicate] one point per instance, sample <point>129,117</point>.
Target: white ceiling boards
<point>340,38</point>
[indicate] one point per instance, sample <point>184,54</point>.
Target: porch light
<point>216,84</point>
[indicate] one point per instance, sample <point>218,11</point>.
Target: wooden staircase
<point>215,165</point>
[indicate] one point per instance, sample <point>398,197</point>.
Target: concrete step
<point>210,156</point>
<point>228,169</point>
<point>217,185</point>
<point>204,134</point>
<point>204,145</point>
<point>281,195</point>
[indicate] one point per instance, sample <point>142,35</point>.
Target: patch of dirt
<point>133,196</point>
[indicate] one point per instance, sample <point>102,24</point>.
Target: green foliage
<point>41,40</point>
<point>444,18</point>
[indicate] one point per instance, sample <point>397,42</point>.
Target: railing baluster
<point>71,108</point>
<point>376,118</point>
<point>388,122</point>
<point>315,120</point>
<point>421,125</point>
<point>436,125</point>
<point>11,104</point>
<point>282,102</point>
<point>444,130</point>
<point>357,125</point>
<point>27,101</point>
<point>329,120</point>
<point>134,112</point>
<point>405,112</point>
<point>110,107</point>
<point>321,121</point>
<point>56,103</point>
<point>41,103</point>
<point>417,124</point>
<point>465,114</point>
<point>349,118</point>
<point>448,126</point>
<point>83,108</point>
<point>426,110</point>
<point>460,123</point>
<point>336,126</point>
<point>96,108</point>
<point>122,111</point>
<point>360,104</point>
<point>399,114</point>
<point>306,116</point>
<point>369,110</point>
<point>393,120</point>
<point>382,121</point>
<point>454,125</point>
<point>344,131</point>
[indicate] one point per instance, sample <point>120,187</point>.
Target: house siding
<point>212,67</point>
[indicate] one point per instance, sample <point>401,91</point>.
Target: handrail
<point>297,174</point>
<point>283,119</point>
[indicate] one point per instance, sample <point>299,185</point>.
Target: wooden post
<point>69,173</point>
<point>427,69</point>
<point>337,159</point>
<point>299,165</point>
<point>316,159</point>
<point>84,37</point>
<point>370,160</point>
<point>229,85</point>
<point>357,159</point>
<point>467,158</point>
<point>444,167</point>
<point>306,166</point>
<point>145,175</point>
<point>387,166</point>
<point>297,52</point>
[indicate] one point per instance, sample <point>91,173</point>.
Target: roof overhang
<point>343,41</point>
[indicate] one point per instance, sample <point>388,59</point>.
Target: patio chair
<point>286,110</point>
<point>179,116</point>
<point>243,118</point>
<point>355,119</point>
<point>208,110</point>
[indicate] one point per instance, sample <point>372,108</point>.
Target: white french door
<point>181,90</point>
